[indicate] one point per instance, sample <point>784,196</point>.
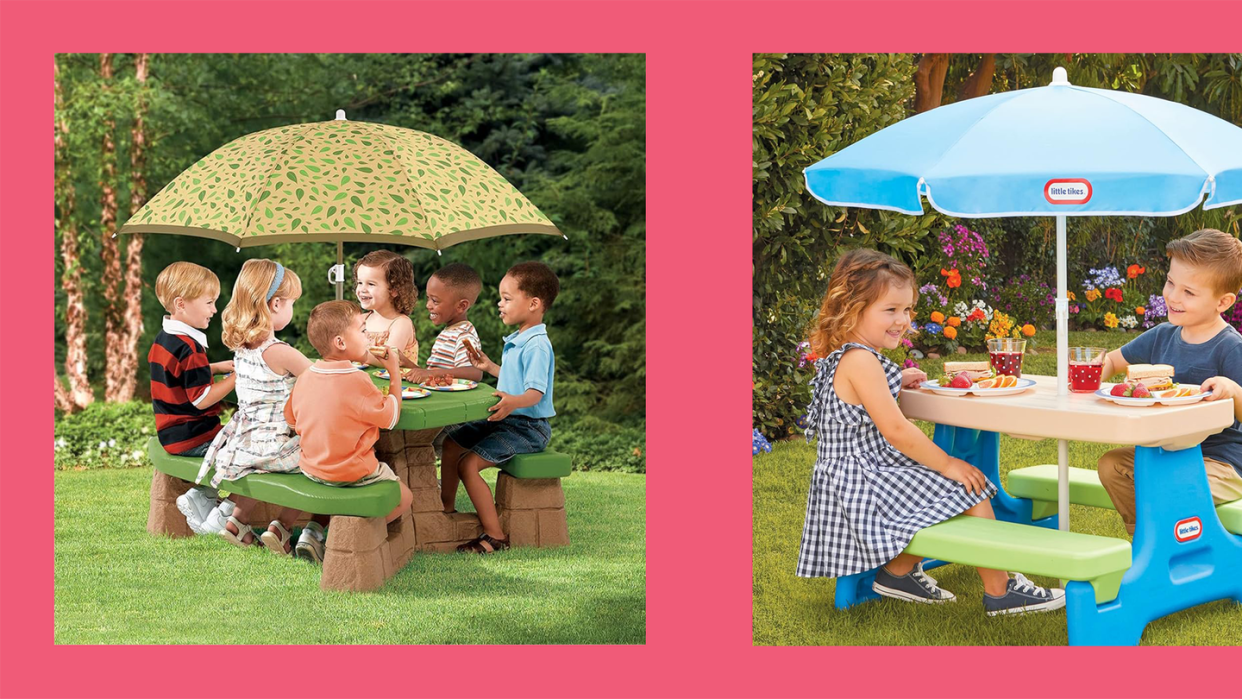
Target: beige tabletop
<point>1039,413</point>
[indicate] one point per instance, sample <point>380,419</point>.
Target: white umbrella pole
<point>1062,312</point>
<point>340,267</point>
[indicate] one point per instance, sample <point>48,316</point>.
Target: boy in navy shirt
<point>1205,273</point>
<point>519,422</point>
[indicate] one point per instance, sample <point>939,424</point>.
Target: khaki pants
<point>1117,474</point>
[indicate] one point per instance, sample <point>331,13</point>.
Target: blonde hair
<point>329,320</point>
<point>187,280</point>
<point>248,317</point>
<point>1217,254</point>
<point>859,278</point>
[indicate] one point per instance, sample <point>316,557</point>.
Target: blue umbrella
<point>1058,150</point>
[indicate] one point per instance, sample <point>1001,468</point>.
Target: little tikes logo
<point>1072,191</point>
<point>1188,529</point>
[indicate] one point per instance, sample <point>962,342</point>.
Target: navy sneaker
<point>915,586</point>
<point>1024,596</point>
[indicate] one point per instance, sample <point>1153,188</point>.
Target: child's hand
<point>502,409</point>
<point>1221,387</point>
<point>392,362</point>
<point>477,359</point>
<point>912,377</point>
<point>967,475</point>
<point>416,375</point>
<point>225,367</point>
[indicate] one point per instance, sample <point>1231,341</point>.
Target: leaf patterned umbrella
<point>340,181</point>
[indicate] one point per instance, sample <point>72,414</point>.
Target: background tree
<point>79,394</point>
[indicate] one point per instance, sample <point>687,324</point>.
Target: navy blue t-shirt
<point>1192,365</point>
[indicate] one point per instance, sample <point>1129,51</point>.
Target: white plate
<point>936,388</point>
<point>457,385</point>
<point>1146,402</point>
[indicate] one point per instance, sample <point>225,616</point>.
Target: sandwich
<point>975,371</point>
<point>1155,377</point>
<point>379,351</point>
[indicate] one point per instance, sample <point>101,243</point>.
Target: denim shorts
<point>200,450</point>
<point>502,440</point>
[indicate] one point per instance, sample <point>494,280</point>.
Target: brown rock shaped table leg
<point>164,517</point>
<point>413,459</point>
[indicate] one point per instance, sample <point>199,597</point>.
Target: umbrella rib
<point>267,180</point>
<point>410,188</point>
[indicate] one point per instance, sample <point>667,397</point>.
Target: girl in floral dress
<point>257,439</point>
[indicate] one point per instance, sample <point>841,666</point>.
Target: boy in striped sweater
<point>451,291</point>
<point>183,395</point>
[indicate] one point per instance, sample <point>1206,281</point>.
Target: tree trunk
<point>929,81</point>
<point>127,365</point>
<point>63,402</point>
<point>80,394</point>
<point>980,81</point>
<point>113,332</point>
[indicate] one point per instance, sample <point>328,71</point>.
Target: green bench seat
<point>988,543</point>
<point>544,464</point>
<point>288,489</point>
<point>1039,484</point>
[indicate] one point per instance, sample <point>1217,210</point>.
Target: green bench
<point>287,489</point>
<point>1039,484</point>
<point>987,543</point>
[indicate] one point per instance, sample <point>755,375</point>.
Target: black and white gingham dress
<point>867,499</point>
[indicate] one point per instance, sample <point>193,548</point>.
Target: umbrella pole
<point>340,265</point>
<point>1062,312</point>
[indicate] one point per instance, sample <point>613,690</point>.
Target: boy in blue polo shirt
<point>519,422</point>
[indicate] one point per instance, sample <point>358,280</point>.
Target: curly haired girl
<point>878,479</point>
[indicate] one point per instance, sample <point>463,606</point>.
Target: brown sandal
<point>483,544</point>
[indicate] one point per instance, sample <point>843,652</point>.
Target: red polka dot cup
<point>1006,354</point>
<point>1086,364</point>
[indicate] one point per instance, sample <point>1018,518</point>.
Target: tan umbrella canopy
<point>340,181</point>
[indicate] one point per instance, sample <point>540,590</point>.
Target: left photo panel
<point>350,349</point>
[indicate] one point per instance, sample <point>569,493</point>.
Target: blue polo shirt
<point>1192,365</point>
<point>527,362</point>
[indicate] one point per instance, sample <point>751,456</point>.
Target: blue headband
<point>280,277</point>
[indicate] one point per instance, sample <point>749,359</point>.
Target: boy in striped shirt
<point>451,291</point>
<point>185,399</point>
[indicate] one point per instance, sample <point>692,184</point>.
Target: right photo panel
<point>997,352</point>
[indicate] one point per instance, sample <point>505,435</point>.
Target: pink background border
<point>699,585</point>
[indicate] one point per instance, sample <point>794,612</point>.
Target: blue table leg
<point>1183,556</point>
<point>980,449</point>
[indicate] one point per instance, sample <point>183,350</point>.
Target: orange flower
<point>950,332</point>
<point>1140,310</point>
<point>1093,294</point>
<point>1134,271</point>
<point>1028,330</point>
<point>955,277</point>
<point>955,321</point>
<point>937,317</point>
<point>1071,296</point>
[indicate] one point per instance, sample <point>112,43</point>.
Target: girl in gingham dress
<point>257,439</point>
<point>878,479</point>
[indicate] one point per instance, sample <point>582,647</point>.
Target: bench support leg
<point>532,511</point>
<point>982,450</point>
<point>364,552</point>
<point>1178,562</point>
<point>164,517</point>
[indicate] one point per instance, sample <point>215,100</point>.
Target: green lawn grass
<point>789,610</point>
<point>117,584</point>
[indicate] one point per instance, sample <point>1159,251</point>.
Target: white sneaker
<point>214,522</point>
<point>310,544</point>
<point>196,504</point>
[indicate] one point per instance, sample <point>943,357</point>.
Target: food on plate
<point>1156,377</point>
<point>960,380</point>
<point>1130,389</point>
<point>975,371</point>
<point>379,352</point>
<point>1001,381</point>
<point>1179,392</point>
<point>439,380</point>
